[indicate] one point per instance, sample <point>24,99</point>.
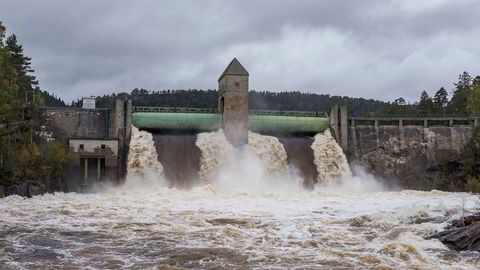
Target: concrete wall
<point>180,158</point>
<point>92,128</point>
<point>78,122</point>
<point>407,151</point>
<point>91,149</point>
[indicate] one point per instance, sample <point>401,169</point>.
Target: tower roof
<point>234,68</point>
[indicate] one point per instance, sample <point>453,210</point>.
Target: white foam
<point>331,162</point>
<point>144,169</point>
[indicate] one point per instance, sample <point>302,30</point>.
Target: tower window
<point>103,146</point>
<point>80,147</point>
<point>237,84</point>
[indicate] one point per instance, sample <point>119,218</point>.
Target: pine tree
<point>458,104</point>
<point>8,82</point>
<point>441,99</point>
<point>473,104</point>
<point>28,91</point>
<point>425,106</point>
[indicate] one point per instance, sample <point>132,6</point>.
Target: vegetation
<point>22,160</point>
<point>465,101</point>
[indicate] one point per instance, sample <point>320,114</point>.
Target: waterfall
<point>263,157</point>
<point>143,164</point>
<point>217,152</point>
<point>329,158</point>
<point>270,151</point>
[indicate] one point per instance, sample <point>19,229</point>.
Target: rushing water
<point>250,212</point>
<point>143,165</point>
<point>208,227</point>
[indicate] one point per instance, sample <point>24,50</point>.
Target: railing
<point>288,113</point>
<point>206,110</point>
<point>415,116</point>
<point>172,110</point>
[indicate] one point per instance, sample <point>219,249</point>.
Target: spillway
<point>175,132</point>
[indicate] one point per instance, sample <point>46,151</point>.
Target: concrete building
<point>233,102</point>
<point>98,141</point>
<point>93,161</point>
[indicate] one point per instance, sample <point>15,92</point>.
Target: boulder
<point>462,235</point>
<point>20,189</point>
<point>35,189</point>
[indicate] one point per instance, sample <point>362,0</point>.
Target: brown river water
<point>248,212</point>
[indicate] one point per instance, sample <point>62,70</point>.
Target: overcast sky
<point>380,49</point>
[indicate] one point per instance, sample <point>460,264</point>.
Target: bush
<point>473,185</point>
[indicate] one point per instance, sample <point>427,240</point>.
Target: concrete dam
<point>184,137</point>
<point>189,142</point>
<point>238,189</point>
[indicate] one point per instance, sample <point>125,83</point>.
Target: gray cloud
<point>380,49</point>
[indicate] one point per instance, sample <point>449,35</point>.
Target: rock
<point>477,167</point>
<point>461,238</point>
<point>18,189</point>
<point>35,189</point>
<point>467,221</point>
<point>461,235</point>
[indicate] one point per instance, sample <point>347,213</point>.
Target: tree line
<point>24,161</point>
<point>465,100</point>
<point>258,100</point>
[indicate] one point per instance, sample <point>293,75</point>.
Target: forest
<point>26,165</point>
<point>23,158</point>
<point>464,101</point>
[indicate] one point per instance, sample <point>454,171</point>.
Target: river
<point>209,227</point>
<point>248,211</point>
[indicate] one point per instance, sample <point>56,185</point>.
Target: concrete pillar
<point>425,123</point>
<point>233,103</point>
<point>475,122</point>
<point>377,133</point>
<point>354,137</point>
<point>334,123</point>
<point>86,171</point>
<point>344,128</point>
<point>450,122</point>
<point>401,133</point>
<point>99,170</point>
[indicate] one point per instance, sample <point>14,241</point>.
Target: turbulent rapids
<point>249,209</point>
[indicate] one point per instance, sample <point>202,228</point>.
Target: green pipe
<point>209,121</point>
<point>181,121</point>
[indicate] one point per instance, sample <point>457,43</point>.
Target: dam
<point>178,132</point>
<point>229,188</point>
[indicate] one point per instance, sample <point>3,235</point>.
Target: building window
<point>81,147</point>
<point>103,146</point>
<point>237,84</point>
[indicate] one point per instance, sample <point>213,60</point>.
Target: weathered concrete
<point>95,138</point>
<point>92,161</point>
<point>300,158</point>
<point>407,149</point>
<point>339,125</point>
<point>77,122</point>
<point>180,158</point>
<point>233,103</point>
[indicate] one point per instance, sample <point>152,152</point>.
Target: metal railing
<point>213,110</point>
<point>172,110</point>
